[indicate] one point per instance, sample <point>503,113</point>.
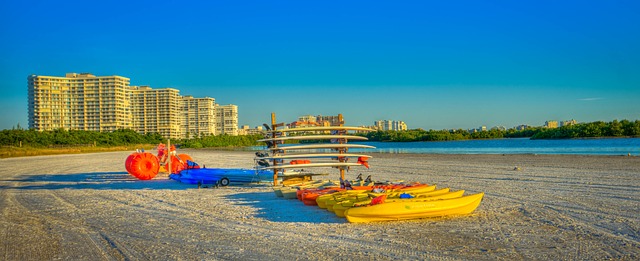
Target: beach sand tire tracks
<point>56,207</point>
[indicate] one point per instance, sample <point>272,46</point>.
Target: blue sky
<point>432,64</point>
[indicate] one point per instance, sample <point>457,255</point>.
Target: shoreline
<point>11,151</point>
<point>554,207</point>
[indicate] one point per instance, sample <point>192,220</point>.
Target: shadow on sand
<point>93,180</point>
<point>277,209</point>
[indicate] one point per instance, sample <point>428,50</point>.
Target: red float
<point>142,165</point>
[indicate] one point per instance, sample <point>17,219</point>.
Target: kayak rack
<point>338,144</point>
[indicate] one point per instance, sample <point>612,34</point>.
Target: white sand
<point>86,207</point>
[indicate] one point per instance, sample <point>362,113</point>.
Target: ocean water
<point>606,146</point>
<point>618,146</point>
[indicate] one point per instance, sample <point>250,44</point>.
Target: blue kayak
<point>189,179</point>
<point>222,176</point>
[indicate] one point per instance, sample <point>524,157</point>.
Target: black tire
<point>224,182</point>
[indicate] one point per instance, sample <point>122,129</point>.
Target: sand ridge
<point>86,207</point>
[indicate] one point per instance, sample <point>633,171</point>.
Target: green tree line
<point>33,138</point>
<point>432,135</point>
<point>623,128</point>
<point>221,141</point>
<point>61,137</point>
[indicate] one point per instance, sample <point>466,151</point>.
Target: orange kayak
<point>309,197</point>
<point>302,191</point>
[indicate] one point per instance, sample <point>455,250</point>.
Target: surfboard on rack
<point>319,155</point>
<point>316,137</point>
<point>313,165</point>
<point>323,146</point>
<point>326,128</point>
<point>300,174</point>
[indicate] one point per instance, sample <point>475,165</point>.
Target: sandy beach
<point>86,207</point>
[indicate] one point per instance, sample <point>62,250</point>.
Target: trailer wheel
<point>224,182</point>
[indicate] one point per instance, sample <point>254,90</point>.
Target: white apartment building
<point>78,101</point>
<point>157,110</point>
<point>199,117</point>
<point>390,125</point>
<point>82,101</point>
<point>227,119</point>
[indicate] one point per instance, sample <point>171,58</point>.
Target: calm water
<point>514,146</point>
<point>621,146</point>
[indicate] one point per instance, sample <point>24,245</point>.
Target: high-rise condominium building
<point>107,103</point>
<point>199,116</point>
<point>78,102</point>
<point>227,119</point>
<point>157,110</point>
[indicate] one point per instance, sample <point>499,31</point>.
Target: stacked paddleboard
<point>331,152</point>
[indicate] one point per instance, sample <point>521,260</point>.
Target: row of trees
<point>614,128</point>
<point>221,141</point>
<point>431,135</point>
<point>60,137</point>
<point>33,138</point>
<point>623,128</point>
<point>19,137</point>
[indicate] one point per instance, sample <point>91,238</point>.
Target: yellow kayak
<point>289,193</point>
<point>412,192</point>
<point>341,207</point>
<point>278,191</point>
<point>353,197</point>
<point>414,210</point>
<point>423,192</point>
<point>360,195</point>
<point>322,200</point>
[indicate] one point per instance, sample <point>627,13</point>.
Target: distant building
<point>366,127</point>
<point>500,128</point>
<point>304,121</point>
<point>521,127</point>
<point>156,110</point>
<point>246,130</point>
<point>551,124</point>
<point>568,123</point>
<point>316,121</point>
<point>385,125</point>
<point>479,129</point>
<point>199,116</point>
<point>227,119</point>
<point>307,118</point>
<point>329,120</point>
<point>78,101</point>
<point>82,101</point>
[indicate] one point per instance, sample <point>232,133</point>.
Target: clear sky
<point>432,64</point>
